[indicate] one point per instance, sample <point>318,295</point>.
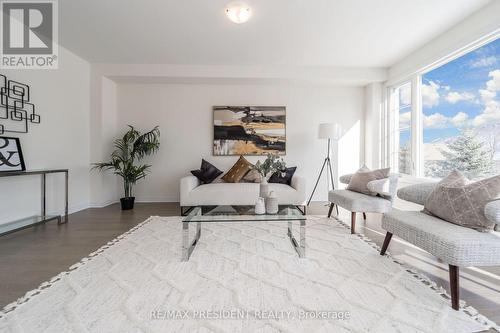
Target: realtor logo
<point>29,34</point>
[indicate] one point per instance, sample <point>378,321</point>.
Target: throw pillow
<point>458,201</point>
<point>238,171</point>
<point>359,181</point>
<point>252,176</point>
<point>207,172</point>
<point>283,177</point>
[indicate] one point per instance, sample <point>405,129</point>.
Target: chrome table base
<point>299,247</point>
<point>188,247</point>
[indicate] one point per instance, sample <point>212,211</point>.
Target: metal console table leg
<point>299,247</point>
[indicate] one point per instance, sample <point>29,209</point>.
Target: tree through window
<point>461,115</point>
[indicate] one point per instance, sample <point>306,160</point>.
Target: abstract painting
<point>249,130</point>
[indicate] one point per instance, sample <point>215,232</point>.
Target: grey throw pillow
<point>359,181</point>
<point>456,200</point>
<point>252,176</point>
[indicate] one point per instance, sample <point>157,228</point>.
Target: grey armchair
<point>362,203</point>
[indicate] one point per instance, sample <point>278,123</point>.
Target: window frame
<point>391,145</point>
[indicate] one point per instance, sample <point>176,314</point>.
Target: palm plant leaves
<point>131,148</point>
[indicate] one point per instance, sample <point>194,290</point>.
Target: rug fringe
<point>467,309</point>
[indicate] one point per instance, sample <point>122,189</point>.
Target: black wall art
<point>11,155</point>
<point>16,111</point>
<point>249,130</point>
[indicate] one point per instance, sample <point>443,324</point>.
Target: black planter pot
<point>127,203</point>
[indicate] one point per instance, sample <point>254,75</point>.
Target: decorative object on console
<point>131,148</point>
<point>16,112</point>
<point>456,200</point>
<point>260,206</point>
<point>330,132</point>
<point>272,203</point>
<point>237,171</point>
<point>359,181</point>
<point>273,163</point>
<point>11,155</point>
<point>249,130</point>
<point>207,172</point>
<point>283,177</point>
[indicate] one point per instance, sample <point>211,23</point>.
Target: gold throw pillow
<point>238,171</point>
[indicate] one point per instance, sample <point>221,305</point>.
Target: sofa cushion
<point>492,211</point>
<point>207,172</point>
<point>451,243</point>
<point>358,202</point>
<point>252,176</point>
<point>237,171</point>
<point>457,201</point>
<point>359,181</point>
<point>417,193</point>
<point>285,177</point>
<point>345,179</point>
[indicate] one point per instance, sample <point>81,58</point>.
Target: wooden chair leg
<point>331,209</point>
<point>454,287</point>
<point>364,216</point>
<point>387,240</point>
<point>353,222</point>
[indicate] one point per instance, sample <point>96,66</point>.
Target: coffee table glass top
<point>241,213</point>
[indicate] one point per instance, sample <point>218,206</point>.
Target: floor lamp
<point>330,132</point>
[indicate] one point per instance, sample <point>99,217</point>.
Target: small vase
<point>272,203</point>
<point>264,188</point>
<point>260,206</point>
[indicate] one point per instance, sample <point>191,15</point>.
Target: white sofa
<point>238,194</point>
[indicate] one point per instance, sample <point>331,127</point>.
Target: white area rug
<point>247,273</point>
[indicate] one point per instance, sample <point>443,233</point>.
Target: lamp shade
<point>329,131</point>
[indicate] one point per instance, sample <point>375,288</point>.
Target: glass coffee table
<point>213,214</point>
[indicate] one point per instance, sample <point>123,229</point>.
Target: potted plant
<point>129,151</point>
<point>272,164</point>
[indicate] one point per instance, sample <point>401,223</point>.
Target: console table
<point>43,217</point>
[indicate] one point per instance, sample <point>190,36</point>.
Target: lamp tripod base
<point>328,165</point>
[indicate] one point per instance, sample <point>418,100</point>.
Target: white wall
<point>61,140</point>
<point>373,125</point>
<point>184,114</point>
<point>103,121</point>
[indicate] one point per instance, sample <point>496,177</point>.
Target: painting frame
<point>6,155</point>
<point>248,130</point>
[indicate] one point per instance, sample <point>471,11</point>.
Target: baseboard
<point>71,210</point>
<point>156,199</point>
<point>103,204</point>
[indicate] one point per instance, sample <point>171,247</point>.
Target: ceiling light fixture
<point>238,12</point>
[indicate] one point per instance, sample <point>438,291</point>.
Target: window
<point>403,100</point>
<point>454,120</point>
<point>461,115</point>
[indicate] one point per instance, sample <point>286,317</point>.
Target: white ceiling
<point>358,33</point>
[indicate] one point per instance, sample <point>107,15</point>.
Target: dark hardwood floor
<point>32,256</point>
